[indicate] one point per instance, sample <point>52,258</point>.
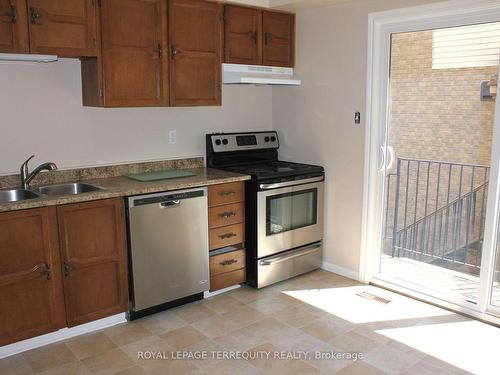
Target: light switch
<point>357,118</point>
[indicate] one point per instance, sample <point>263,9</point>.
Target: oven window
<point>289,211</point>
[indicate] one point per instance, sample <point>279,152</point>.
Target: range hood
<point>27,57</point>
<point>258,75</point>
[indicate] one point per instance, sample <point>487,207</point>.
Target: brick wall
<point>437,114</point>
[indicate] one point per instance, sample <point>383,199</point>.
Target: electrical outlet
<point>172,137</point>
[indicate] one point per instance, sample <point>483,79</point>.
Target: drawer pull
<point>227,193</point>
<point>68,268</point>
<point>13,14</point>
<point>47,272</point>
<point>34,16</point>
<point>227,215</point>
<point>227,235</point>
<point>228,262</point>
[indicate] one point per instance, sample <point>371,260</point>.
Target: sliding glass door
<point>433,200</point>
<point>439,137</point>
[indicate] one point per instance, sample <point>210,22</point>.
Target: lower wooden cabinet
<point>93,256</point>
<point>226,222</point>
<point>61,267</point>
<point>227,279</point>
<point>31,291</point>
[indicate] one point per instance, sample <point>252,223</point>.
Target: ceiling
<point>290,5</point>
<point>296,5</point>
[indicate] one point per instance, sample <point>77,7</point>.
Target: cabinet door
<point>93,255</point>
<point>13,27</point>
<point>243,35</point>
<point>279,39</point>
<point>195,52</point>
<point>134,42</point>
<point>31,301</point>
<point>66,28</point>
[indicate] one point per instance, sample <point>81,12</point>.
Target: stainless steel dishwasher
<point>168,248</point>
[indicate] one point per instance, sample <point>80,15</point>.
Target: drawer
<point>226,193</point>
<point>226,236</point>
<point>227,262</point>
<point>227,279</point>
<point>226,215</point>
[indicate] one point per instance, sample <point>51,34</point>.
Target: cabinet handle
<point>159,51</point>
<point>253,37</point>
<point>68,268</point>
<point>227,235</point>
<point>34,16</point>
<point>228,262</point>
<point>47,272</point>
<point>173,51</point>
<point>227,215</point>
<point>13,14</point>
<point>267,38</point>
<point>227,193</point>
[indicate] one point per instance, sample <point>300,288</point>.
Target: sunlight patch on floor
<point>470,345</point>
<point>345,303</point>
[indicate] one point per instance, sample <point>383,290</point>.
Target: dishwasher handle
<point>167,199</point>
<point>170,204</point>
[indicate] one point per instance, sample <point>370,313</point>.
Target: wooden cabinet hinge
<point>101,92</point>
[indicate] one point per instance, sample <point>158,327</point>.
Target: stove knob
<point>225,142</point>
<point>266,139</point>
<point>218,142</point>
<point>273,139</point>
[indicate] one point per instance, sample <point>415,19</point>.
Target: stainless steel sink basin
<point>68,189</point>
<point>16,195</point>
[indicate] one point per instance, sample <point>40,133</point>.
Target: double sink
<point>75,188</point>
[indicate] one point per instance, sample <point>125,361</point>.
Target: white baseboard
<point>62,334</point>
<point>330,267</point>
<point>211,294</point>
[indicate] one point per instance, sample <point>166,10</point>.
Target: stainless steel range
<point>284,205</point>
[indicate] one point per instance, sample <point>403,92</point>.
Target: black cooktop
<point>255,154</point>
<point>276,168</point>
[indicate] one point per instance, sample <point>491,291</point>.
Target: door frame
<point>380,27</point>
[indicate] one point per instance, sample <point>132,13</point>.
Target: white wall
<point>316,121</point>
<point>42,114</point>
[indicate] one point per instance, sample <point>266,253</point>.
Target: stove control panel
<point>244,141</point>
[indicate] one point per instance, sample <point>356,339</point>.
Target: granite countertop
<point>123,187</point>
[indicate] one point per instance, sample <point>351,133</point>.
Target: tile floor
<point>316,313</point>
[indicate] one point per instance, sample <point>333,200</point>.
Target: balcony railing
<point>435,212</point>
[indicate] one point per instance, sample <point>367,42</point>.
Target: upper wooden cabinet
<point>13,27</point>
<point>259,37</point>
<point>279,39</point>
<point>92,236</point>
<point>156,53</point>
<point>195,30</point>
<point>134,53</point>
<point>243,35</point>
<point>66,28</point>
<point>31,291</point>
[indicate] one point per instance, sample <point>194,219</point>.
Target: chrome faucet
<point>26,176</point>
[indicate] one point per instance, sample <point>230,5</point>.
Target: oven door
<point>289,215</point>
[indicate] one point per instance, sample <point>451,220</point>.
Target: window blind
<point>466,46</point>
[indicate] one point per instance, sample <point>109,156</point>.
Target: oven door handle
<point>291,183</point>
<point>284,258</point>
